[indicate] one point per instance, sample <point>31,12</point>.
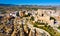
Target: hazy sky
<point>31,2</point>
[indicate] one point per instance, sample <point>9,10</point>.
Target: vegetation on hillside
<point>47,28</point>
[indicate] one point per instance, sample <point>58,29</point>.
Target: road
<point>38,29</point>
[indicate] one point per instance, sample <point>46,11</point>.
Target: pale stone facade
<point>45,17</point>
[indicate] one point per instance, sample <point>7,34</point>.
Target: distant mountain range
<point>8,5</point>
<point>30,6</point>
<point>25,5</point>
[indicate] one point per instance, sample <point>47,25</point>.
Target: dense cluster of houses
<point>15,18</point>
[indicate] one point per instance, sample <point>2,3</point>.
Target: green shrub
<point>32,18</point>
<point>52,18</point>
<point>59,27</point>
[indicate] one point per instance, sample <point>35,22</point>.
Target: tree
<point>32,18</point>
<point>17,13</point>
<point>52,18</point>
<point>59,27</point>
